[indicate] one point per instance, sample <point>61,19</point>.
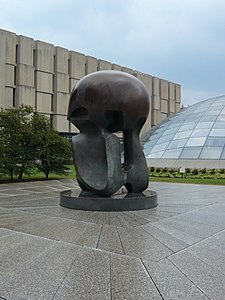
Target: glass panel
<point>221,118</point>
<point>172,153</point>
<point>155,136</point>
<point>149,144</point>
<point>187,127</point>
<point>166,138</point>
<point>160,129</point>
<point>155,155</point>
<point>211,153</point>
<point>165,125</point>
<point>217,106</point>
<point>174,125</point>
<point>192,119</point>
<point>170,131</point>
<point>200,132</point>
<point>217,132</point>
<point>223,154</point>
<point>182,134</point>
<point>204,125</point>
<point>177,144</point>
<point>212,112</point>
<point>219,125</point>
<point>191,152</point>
<point>208,118</point>
<point>160,147</point>
<point>196,141</point>
<point>146,152</point>
<point>215,142</point>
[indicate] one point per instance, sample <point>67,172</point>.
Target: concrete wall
<point>186,163</point>
<point>43,75</point>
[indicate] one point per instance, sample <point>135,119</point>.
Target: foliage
<point>214,181</point>
<point>16,139</point>
<point>195,171</point>
<point>54,154</point>
<point>203,171</point>
<point>28,143</point>
<point>192,174</point>
<point>152,169</point>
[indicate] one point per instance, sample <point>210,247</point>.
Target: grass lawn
<point>40,176</point>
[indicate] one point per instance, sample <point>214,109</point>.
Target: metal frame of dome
<point>193,137</point>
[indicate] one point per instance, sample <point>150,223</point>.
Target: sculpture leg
<point>97,162</point>
<point>134,163</point>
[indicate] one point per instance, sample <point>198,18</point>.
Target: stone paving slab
<point>174,251</point>
<point>130,280</point>
<point>172,283</point>
<point>189,231</point>
<point>211,251</point>
<point>165,238</point>
<point>88,277</point>
<point>208,278</point>
<point>109,240</point>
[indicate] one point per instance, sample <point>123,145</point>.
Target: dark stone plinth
<point>120,202</point>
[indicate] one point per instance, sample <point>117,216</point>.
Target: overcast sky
<point>179,40</point>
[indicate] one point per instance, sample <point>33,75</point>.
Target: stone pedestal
<point>119,202</point>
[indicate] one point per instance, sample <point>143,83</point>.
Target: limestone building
<point>42,75</point>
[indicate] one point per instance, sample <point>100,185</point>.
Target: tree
<point>54,154</point>
<point>29,141</point>
<point>52,150</point>
<point>16,139</point>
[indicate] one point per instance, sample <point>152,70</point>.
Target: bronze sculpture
<point>101,104</point>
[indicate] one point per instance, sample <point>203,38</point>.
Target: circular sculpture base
<point>120,202</point>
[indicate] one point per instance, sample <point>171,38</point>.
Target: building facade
<point>42,75</point>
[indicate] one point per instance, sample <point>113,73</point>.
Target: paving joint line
<point>120,240</point>
<point>188,278</point>
<point>66,274</point>
<point>99,236</point>
<point>110,276</point>
<point>150,276</point>
<point>160,241</point>
<point>199,258</point>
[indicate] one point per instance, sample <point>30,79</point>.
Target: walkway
<point>174,251</point>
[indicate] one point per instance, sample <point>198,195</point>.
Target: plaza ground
<point>174,251</point>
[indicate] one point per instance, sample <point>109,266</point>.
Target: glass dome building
<point>194,137</point>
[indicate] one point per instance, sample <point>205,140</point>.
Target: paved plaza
<point>174,251</point>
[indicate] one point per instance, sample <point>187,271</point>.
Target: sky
<point>182,41</point>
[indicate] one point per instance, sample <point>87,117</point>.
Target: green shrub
<point>203,171</point>
<point>152,169</point>
<point>195,171</point>
<point>212,171</point>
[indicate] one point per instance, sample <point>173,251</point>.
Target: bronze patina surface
<point>101,104</point>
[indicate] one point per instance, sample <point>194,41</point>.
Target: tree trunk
<point>21,172</point>
<point>46,175</point>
